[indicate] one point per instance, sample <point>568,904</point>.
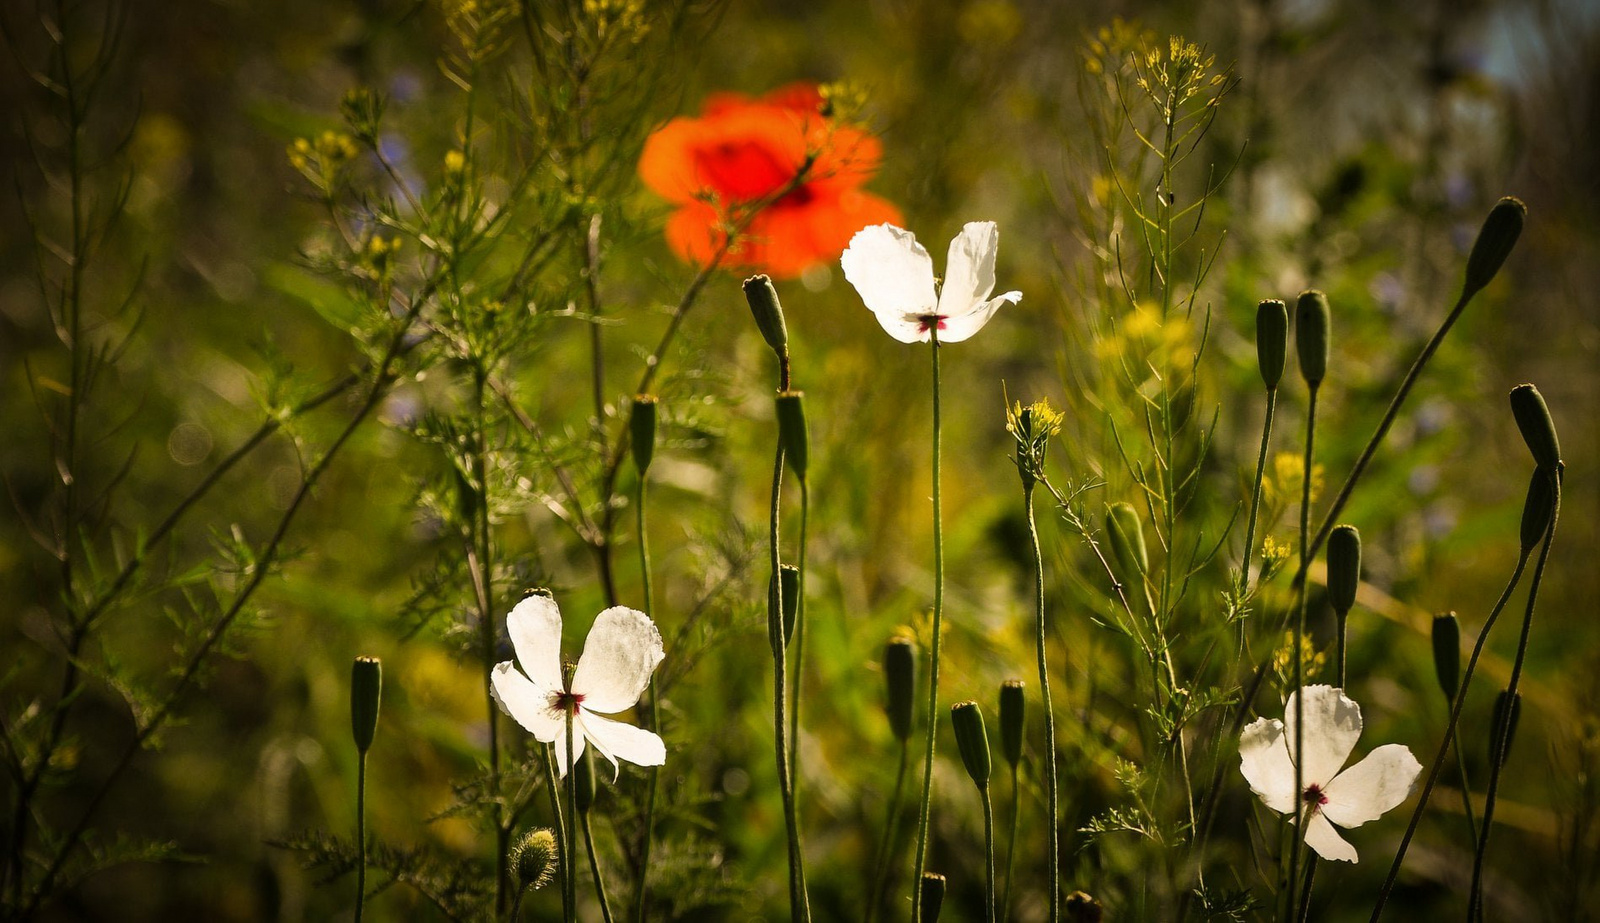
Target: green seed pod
<point>788,597</point>
<point>1537,509</point>
<point>583,782</point>
<point>1499,234</point>
<point>933,887</point>
<point>366,691</point>
<point>1272,340</point>
<point>534,858</point>
<point>1507,708</point>
<point>763,298</point>
<point>1311,323</point>
<point>1344,567</point>
<point>1082,908</point>
<point>1538,430</point>
<point>642,427</point>
<point>1447,653</point>
<point>972,740</point>
<point>792,430</point>
<point>900,673</point>
<point>1125,534</point>
<point>1013,718</point>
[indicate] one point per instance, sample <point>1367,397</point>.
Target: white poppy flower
<point>895,278</point>
<point>1328,797</point>
<point>623,649</point>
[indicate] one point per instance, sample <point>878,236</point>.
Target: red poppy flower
<point>739,151</point>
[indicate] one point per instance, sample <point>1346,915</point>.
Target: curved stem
<point>1300,632</point>
<point>1449,735</point>
<point>988,855</point>
<point>558,820</point>
<point>1041,636</point>
<point>799,643</point>
<point>1501,746</point>
<point>932,723</point>
<point>799,904</point>
<point>1255,502</point>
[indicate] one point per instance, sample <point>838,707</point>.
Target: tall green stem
<point>1041,637</point>
<point>594,869</point>
<point>1299,641</point>
<point>799,902</point>
<point>988,855</point>
<point>932,723</point>
<point>891,824</point>
<point>799,641</point>
<point>558,820</point>
<point>1011,846</point>
<point>655,716</point>
<point>361,834</point>
<point>1498,751</point>
<point>569,859</point>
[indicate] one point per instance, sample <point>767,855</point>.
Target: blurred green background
<point>1369,139</point>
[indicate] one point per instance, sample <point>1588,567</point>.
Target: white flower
<point>895,278</point>
<point>622,650</point>
<point>1350,798</point>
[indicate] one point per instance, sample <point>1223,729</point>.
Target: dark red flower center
<point>1314,797</point>
<point>928,321</point>
<point>566,702</point>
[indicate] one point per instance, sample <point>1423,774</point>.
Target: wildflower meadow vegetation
<point>694,460</point>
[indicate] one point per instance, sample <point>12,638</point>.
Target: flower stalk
<point>931,723</point>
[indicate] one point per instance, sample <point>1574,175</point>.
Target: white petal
<point>1333,723</point>
<point>969,270</point>
<point>894,276</point>
<point>560,744</point>
<point>525,701</point>
<point>617,741</point>
<point>1264,761</point>
<point>623,649</point>
<point>535,630</point>
<point>958,327</point>
<point>1321,837</point>
<point>1372,787</point>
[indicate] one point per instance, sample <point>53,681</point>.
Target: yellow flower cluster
<point>1311,660</point>
<point>321,160</point>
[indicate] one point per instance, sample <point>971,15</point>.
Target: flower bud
<point>788,597</point>
<point>1080,907</point>
<point>768,312</point>
<point>534,858</point>
<point>900,673</point>
<point>1311,322</point>
<point>1537,509</point>
<point>933,885</point>
<point>1498,235</point>
<point>1507,708</point>
<point>1125,534</point>
<point>366,691</point>
<point>1538,431</point>
<point>1344,567</point>
<point>583,782</point>
<point>792,430</point>
<point>1013,718</point>
<point>972,740</point>
<point>1272,340</point>
<point>1447,653</point>
<point>642,427</point>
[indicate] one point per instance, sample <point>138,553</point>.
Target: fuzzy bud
<point>933,887</point>
<point>1311,323</point>
<point>1507,708</point>
<point>1272,340</point>
<point>1013,719</point>
<point>534,858</point>
<point>1081,907</point>
<point>366,691</point>
<point>1125,534</point>
<point>1498,235</point>
<point>1447,653</point>
<point>642,428</point>
<point>763,298</point>
<point>1344,567</point>
<point>972,740</point>
<point>792,430</point>
<point>900,673</point>
<point>1538,430</point>
<point>1537,509</point>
